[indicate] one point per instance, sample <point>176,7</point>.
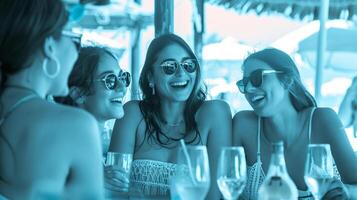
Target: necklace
<point>174,124</point>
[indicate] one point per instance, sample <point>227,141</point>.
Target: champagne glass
<point>318,169</point>
<point>231,172</point>
<point>192,177</point>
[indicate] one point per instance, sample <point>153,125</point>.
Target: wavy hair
<point>150,103</point>
<point>281,61</point>
<point>83,73</point>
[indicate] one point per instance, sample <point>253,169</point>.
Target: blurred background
<point>320,35</point>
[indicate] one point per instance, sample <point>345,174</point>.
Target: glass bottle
<point>277,184</point>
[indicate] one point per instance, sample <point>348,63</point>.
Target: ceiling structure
<point>296,9</point>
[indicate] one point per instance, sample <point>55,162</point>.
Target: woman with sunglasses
<point>173,107</point>
<point>47,150</point>
<point>283,110</point>
<point>98,85</point>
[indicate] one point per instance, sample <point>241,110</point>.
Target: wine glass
<point>192,176</point>
<point>231,172</point>
<point>318,169</point>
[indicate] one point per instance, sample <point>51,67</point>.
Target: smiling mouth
<point>117,100</point>
<point>180,84</point>
<point>257,98</point>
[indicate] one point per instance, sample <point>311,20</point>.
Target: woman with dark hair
<point>98,85</point>
<point>173,107</point>
<point>47,150</point>
<point>283,110</point>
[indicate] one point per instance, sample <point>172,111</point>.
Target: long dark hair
<point>150,103</point>
<point>24,26</point>
<point>280,61</point>
<point>83,73</point>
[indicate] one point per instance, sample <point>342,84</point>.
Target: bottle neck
<point>277,162</point>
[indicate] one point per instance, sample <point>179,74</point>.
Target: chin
<point>119,113</point>
<point>263,113</point>
<point>180,97</point>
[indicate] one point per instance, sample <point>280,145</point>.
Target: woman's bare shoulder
<point>132,107</point>
<point>326,122</point>
<point>132,113</point>
<point>244,117</point>
<point>214,106</point>
<point>62,121</point>
<point>71,116</point>
<point>54,129</point>
<point>244,124</point>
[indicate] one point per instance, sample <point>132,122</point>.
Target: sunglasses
<point>75,37</point>
<point>170,67</point>
<point>112,81</point>
<point>255,78</point>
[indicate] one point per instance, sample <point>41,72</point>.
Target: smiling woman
<point>283,110</point>
<point>98,85</point>
<point>173,107</point>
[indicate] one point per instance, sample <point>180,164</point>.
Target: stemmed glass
<point>231,172</point>
<point>192,177</point>
<point>318,169</point>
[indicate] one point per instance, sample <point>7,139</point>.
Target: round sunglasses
<point>170,67</point>
<point>255,78</point>
<point>112,81</point>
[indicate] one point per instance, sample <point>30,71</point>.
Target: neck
<point>283,126</point>
<point>172,113</point>
<point>21,82</point>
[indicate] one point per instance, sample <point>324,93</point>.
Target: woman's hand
<point>336,190</point>
<point>115,179</point>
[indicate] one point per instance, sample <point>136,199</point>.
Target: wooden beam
<point>164,17</point>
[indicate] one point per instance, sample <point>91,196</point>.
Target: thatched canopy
<point>108,15</point>
<point>300,9</point>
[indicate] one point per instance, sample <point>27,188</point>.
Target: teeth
<point>117,100</point>
<point>257,98</point>
<point>182,83</point>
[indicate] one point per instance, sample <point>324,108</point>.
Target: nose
<point>121,86</point>
<point>180,70</point>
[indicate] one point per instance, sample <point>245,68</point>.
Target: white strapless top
<point>151,178</point>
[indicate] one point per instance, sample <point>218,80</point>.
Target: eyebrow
<point>109,72</point>
<point>183,59</point>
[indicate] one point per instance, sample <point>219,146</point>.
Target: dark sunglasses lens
<point>241,86</point>
<point>125,77</point>
<point>190,66</point>
<point>169,67</point>
<point>111,81</point>
<point>256,78</point>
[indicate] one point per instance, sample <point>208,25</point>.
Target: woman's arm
<point>124,131</point>
<point>345,111</point>
<point>123,141</point>
<point>241,123</point>
<point>328,129</point>
<point>217,115</point>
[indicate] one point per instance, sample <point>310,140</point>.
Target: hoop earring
<point>45,68</point>
<point>152,86</point>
